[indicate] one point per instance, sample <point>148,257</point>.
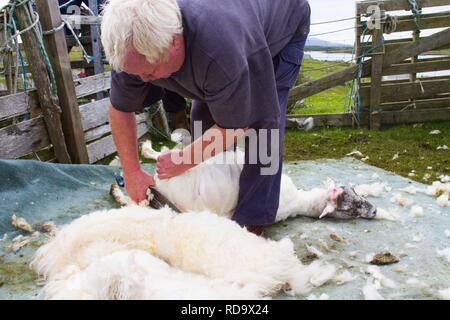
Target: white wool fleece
<point>201,243</point>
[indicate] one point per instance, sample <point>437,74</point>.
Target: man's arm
<point>200,150</point>
<point>123,129</point>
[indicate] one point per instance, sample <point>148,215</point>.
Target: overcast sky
<point>326,10</point>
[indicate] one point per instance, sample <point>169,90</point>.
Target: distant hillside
<point>314,42</point>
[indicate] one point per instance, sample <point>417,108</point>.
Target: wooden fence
<point>383,100</point>
<point>81,110</point>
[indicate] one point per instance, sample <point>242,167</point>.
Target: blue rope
<point>24,77</point>
<point>417,12</point>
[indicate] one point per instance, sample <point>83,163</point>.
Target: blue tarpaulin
<point>41,192</point>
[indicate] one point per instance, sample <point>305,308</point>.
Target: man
<point>236,59</point>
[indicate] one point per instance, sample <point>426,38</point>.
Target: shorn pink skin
<point>137,64</point>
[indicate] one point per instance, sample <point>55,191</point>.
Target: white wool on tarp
<point>399,199</point>
<point>370,290</point>
<point>443,200</point>
<point>418,237</point>
<point>21,223</point>
<point>447,233</point>
<point>416,211</point>
<point>438,188</point>
<point>344,277</point>
<point>444,253</point>
<point>414,282</point>
<point>323,296</point>
<point>410,190</point>
<point>374,190</point>
<point>444,294</point>
<point>375,272</point>
<point>390,215</point>
<point>200,243</point>
<point>136,275</point>
<point>313,250</point>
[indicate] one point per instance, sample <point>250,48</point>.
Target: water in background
<point>347,57</point>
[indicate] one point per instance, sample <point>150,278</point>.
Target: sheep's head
<point>344,203</point>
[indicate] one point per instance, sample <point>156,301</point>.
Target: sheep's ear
<point>328,209</point>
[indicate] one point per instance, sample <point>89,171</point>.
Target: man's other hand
<point>166,168</point>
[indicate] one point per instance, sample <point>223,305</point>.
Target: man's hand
<point>166,168</point>
<point>137,182</point>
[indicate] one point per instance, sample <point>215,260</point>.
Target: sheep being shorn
<point>214,186</point>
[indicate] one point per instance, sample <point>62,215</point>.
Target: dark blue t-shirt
<point>229,50</point>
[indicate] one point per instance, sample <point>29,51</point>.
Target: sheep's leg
<point>310,203</point>
<point>336,202</point>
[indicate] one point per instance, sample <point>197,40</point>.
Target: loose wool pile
<point>141,253</point>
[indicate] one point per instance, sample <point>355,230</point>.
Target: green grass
<point>417,149</point>
<point>329,101</point>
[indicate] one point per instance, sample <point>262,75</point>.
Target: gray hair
<point>147,25</point>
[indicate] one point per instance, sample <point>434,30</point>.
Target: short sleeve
<point>250,100</point>
<point>130,94</point>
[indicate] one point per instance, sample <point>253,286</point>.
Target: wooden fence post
<point>8,64</point>
<point>56,46</point>
<point>358,51</point>
<point>96,45</point>
<point>377,71</point>
<point>51,111</point>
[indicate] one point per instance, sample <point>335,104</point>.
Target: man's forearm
<point>198,152</point>
<point>123,128</point>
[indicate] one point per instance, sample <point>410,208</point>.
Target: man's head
<point>143,37</point>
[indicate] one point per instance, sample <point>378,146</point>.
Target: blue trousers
<point>259,194</point>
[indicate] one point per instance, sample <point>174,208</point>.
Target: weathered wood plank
<point>22,138</point>
<point>418,67</point>
<point>98,132</point>
<point>17,104</point>
<point>94,114</point>
<point>417,104</point>
<point>77,20</point>
<point>56,47</point>
<point>338,78</point>
<point>376,76</point>
<point>414,116</point>
<point>51,111</point>
<point>93,84</point>
<point>406,91</point>
<point>427,21</point>
<point>104,147</point>
<point>393,5</point>
<point>96,45</point>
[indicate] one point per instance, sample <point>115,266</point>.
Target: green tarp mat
<point>40,192</point>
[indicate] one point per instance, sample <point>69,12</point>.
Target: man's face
<point>137,64</point>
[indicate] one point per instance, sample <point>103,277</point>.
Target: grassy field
<point>416,148</point>
<point>329,101</point>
